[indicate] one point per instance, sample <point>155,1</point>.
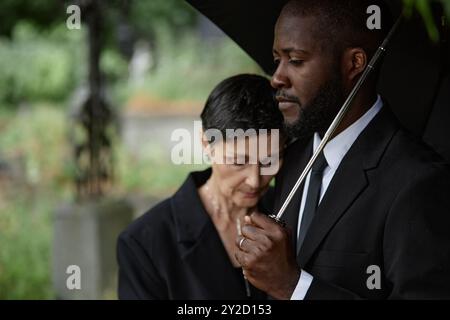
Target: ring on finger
<point>241,242</point>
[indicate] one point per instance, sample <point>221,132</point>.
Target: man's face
<point>307,77</point>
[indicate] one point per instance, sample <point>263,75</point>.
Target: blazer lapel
<point>350,180</point>
<point>214,273</point>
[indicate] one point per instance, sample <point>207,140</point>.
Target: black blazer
<point>174,252</point>
<point>388,205</point>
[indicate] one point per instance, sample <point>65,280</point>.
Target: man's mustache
<point>281,95</point>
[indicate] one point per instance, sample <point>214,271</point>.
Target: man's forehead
<point>294,32</point>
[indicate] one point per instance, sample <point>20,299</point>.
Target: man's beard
<point>318,115</point>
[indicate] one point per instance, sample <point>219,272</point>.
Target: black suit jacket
<point>387,205</point>
<point>174,252</point>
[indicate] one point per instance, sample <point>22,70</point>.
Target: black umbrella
<point>414,74</point>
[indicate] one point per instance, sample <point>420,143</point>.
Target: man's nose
<point>279,78</point>
<point>253,177</point>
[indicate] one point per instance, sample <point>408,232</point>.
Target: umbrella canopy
<point>414,73</point>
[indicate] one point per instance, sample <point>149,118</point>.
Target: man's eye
<point>295,62</point>
<point>276,61</point>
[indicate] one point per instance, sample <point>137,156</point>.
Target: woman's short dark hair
<point>244,101</point>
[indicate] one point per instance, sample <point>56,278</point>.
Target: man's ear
<point>354,62</point>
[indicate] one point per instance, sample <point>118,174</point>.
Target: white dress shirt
<point>334,152</point>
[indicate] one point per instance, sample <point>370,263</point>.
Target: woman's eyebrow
<point>273,155</point>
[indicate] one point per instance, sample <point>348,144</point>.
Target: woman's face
<point>243,167</point>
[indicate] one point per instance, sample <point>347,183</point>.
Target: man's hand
<point>267,257</point>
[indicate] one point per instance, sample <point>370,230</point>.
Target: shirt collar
<point>335,150</point>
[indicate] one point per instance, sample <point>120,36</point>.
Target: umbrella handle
<point>278,220</point>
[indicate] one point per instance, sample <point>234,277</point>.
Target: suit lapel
<point>297,157</point>
<point>334,203</point>
<point>349,180</point>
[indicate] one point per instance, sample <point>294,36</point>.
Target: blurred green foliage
<point>149,174</point>
<point>424,8</point>
<point>187,70</point>
<point>153,16</point>
<point>39,65</point>
<point>41,14</point>
<point>36,141</point>
<point>41,60</point>
<point>189,58</point>
<point>25,255</point>
<point>145,16</point>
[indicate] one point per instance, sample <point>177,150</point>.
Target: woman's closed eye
<point>265,164</point>
<point>238,162</point>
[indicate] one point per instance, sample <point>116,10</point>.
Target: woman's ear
<point>205,143</point>
<point>354,62</point>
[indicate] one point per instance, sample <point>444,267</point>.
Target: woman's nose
<point>253,177</point>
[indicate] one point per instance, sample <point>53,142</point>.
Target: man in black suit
<point>372,219</point>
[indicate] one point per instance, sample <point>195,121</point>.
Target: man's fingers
<point>252,232</point>
<point>247,245</point>
<point>241,258</point>
<point>261,221</point>
<point>247,259</point>
<point>265,225</point>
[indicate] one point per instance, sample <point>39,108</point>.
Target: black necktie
<point>312,197</point>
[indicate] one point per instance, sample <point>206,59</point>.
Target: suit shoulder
<point>415,157</point>
<point>154,223</point>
